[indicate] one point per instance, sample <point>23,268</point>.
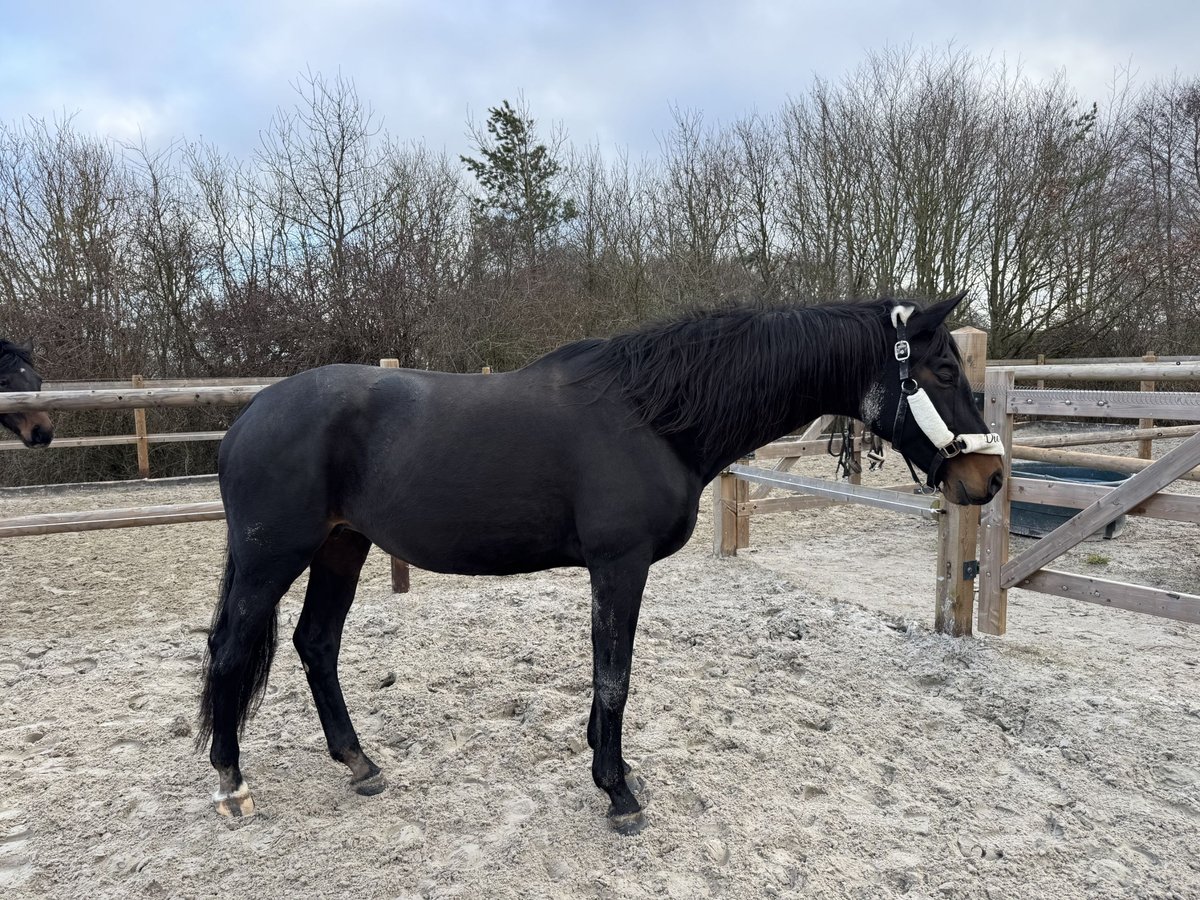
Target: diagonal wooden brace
<point>1120,500</point>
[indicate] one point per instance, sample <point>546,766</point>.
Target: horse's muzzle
<point>36,430</point>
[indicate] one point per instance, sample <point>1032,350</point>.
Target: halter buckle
<point>954,448</point>
<point>903,351</point>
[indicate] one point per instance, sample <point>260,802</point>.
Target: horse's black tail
<point>257,666</point>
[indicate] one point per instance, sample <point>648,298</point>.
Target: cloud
<point>610,72</point>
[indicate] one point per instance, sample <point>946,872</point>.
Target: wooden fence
<point>165,392</point>
<point>140,395</point>
<point>971,543</point>
<point>1139,495</point>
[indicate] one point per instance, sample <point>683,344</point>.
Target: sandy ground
<point>797,728</point>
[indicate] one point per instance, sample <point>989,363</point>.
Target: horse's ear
<point>931,317</point>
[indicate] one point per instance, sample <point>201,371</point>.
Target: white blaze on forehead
<point>872,404</point>
<point>901,312</point>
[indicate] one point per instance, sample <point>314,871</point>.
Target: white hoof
<point>236,804</point>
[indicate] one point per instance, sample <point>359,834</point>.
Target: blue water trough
<point>1034,520</point>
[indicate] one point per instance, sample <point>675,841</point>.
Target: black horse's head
<point>925,408</point>
<point>17,374</point>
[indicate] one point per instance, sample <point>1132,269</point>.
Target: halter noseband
<point>913,396</point>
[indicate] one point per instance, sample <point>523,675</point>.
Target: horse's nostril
<point>995,483</point>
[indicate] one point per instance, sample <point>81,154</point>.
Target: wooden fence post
<point>1145,447</point>
<point>731,519</point>
<point>139,425</point>
<point>724,516</point>
<point>400,573</point>
<point>741,515</point>
<point>958,526</point>
<point>993,542</point>
<point>957,564</point>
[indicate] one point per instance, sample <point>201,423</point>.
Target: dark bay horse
<point>594,455</point>
<point>17,374</point>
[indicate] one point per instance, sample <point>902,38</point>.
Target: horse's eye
<point>946,375</point>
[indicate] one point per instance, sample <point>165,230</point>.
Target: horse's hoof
<point>628,824</point>
<point>369,785</point>
<point>236,804</point>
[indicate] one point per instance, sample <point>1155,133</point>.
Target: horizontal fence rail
<point>916,504</point>
<point>1133,371</point>
<point>1082,438</point>
<point>120,440</point>
<point>1072,494</point>
<point>101,519</point>
<point>128,398</point>
<point>1133,597</point>
<point>113,384</point>
<point>1083,361</point>
<point>1066,403</point>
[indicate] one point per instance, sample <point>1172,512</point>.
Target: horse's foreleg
<point>617,586</point>
<point>593,732</point>
<point>332,582</point>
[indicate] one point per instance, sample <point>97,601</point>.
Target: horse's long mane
<point>723,368</point>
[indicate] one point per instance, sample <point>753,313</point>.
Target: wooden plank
<point>784,504</point>
<point>401,577</point>
<point>1089,360</point>
<point>1175,507</point>
<point>741,493</point>
<point>1145,445</point>
<point>1105,404</point>
<point>128,398</point>
<point>869,496</point>
<point>972,346</point>
<point>1106,371</point>
<point>118,440</point>
<point>724,516</point>
<point>815,428</point>
<point>1113,436</point>
<point>139,427</point>
<point>798,449</point>
<point>958,535</point>
<point>1134,491</point>
<point>100,385</point>
<point>96,520</point>
<point>810,432</point>
<point>1091,460</point>
<point>1134,597</point>
<point>992,609</point>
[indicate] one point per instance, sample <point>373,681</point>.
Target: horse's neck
<point>824,386</point>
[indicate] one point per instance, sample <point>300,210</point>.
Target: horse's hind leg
<point>332,582</point>
<point>240,650</point>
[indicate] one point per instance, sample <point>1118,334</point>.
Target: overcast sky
<point>608,71</point>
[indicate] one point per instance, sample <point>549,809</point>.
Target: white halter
<point>924,413</point>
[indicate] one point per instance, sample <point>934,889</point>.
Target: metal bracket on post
<point>970,569</point>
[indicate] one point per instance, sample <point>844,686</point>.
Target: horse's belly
<point>471,552</point>
<point>474,534</point>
